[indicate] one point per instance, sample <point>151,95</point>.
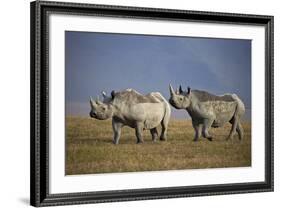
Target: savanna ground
<point>89,148</point>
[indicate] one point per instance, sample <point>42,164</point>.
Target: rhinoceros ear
<point>103,94</point>
<point>112,94</point>
<point>180,90</point>
<point>188,90</point>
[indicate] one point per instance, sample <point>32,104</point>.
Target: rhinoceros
<point>130,108</point>
<point>208,110</point>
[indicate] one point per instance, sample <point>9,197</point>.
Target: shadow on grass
<point>89,141</point>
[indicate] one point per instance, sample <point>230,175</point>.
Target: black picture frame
<point>39,158</point>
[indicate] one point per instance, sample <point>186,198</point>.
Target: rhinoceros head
<point>100,110</point>
<point>179,99</point>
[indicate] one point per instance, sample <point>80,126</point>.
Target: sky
<point>96,62</point>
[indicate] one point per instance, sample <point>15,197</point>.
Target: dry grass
<point>89,148</point>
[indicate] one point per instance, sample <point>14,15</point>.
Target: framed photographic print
<point>131,103</point>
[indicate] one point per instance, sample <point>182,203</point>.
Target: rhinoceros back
<point>130,97</point>
<point>204,96</point>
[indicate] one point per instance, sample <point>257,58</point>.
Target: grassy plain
<point>89,148</point>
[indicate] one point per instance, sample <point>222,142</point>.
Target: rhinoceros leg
<point>163,135</point>
<point>234,122</point>
<point>207,123</point>
<point>154,134</point>
<point>198,130</point>
<point>240,130</point>
<point>165,122</point>
<point>139,129</point>
<point>116,131</point>
<point>164,125</point>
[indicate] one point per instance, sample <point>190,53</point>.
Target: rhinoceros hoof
<point>210,138</point>
<point>163,139</point>
<point>229,138</point>
<point>140,142</point>
<point>114,142</point>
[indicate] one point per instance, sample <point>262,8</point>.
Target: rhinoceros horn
<point>92,102</point>
<point>172,92</point>
<point>98,101</point>
<point>180,90</point>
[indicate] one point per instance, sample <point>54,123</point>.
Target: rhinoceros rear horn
<point>98,101</point>
<point>112,94</point>
<point>172,92</point>
<point>180,90</point>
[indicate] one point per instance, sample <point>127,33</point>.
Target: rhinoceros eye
<point>103,108</point>
<point>180,99</point>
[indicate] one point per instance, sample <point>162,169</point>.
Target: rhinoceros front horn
<point>92,102</point>
<point>172,92</point>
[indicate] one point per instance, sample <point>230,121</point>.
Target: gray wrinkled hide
<point>208,110</point>
<point>130,108</point>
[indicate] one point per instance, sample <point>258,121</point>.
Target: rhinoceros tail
<point>161,99</point>
<point>167,114</point>
<point>240,105</point>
